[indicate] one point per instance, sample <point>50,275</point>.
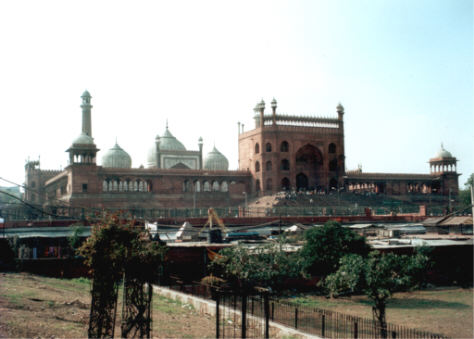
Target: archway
<point>285,184</point>
<point>301,181</point>
<point>309,161</point>
<point>309,155</point>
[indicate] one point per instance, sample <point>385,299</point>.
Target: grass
<point>36,306</point>
<point>447,311</point>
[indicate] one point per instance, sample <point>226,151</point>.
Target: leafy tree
<point>378,276</point>
<point>75,239</point>
<point>264,266</point>
<point>115,251</point>
<point>470,180</point>
<point>465,194</point>
<point>326,245</point>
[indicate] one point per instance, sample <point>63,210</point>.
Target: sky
<point>403,70</point>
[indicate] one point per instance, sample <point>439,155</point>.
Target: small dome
<point>216,161</point>
<point>116,157</point>
<point>83,139</point>
<point>86,94</point>
<point>443,153</point>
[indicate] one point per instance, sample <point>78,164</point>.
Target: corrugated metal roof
<point>433,221</point>
<point>360,226</point>
<point>43,232</point>
<point>461,220</point>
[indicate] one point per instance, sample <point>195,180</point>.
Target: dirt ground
<point>38,307</point>
<point>441,310</point>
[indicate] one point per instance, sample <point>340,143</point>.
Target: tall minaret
<point>86,113</point>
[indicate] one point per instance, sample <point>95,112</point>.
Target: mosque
<point>282,152</point>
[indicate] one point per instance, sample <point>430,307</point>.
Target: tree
<point>465,194</point>
<point>378,276</point>
<point>326,245</point>
<point>264,266</point>
<point>118,251</point>
<point>75,240</point>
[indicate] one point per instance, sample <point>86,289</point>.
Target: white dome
<point>116,157</point>
<point>83,139</point>
<point>216,161</point>
<point>167,143</point>
<point>443,153</point>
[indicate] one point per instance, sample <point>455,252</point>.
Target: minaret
<point>83,150</point>
<point>340,111</point>
<point>157,144</point>
<point>86,113</point>
<point>342,158</point>
<point>274,108</point>
<point>200,143</point>
<point>261,107</point>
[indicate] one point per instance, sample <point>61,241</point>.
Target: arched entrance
<point>309,162</point>
<point>285,184</point>
<point>301,182</point>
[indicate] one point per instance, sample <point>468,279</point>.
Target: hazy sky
<point>402,69</point>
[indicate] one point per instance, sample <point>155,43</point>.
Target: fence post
<point>217,314</point>
<point>273,311</point>
<point>244,316</point>
<point>355,330</point>
<point>296,317</point>
<point>266,310</point>
<point>323,324</point>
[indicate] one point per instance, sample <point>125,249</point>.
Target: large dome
<point>167,143</point>
<point>83,139</point>
<point>116,157</point>
<point>443,153</point>
<point>216,161</point>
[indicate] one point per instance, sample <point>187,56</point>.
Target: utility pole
<point>449,201</point>
<point>472,204</point>
<point>245,212</point>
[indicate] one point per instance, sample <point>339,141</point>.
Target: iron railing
<point>258,310</point>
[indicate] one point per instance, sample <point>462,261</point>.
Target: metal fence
<point>156,214</point>
<point>258,311</point>
<point>332,324</point>
<point>243,316</point>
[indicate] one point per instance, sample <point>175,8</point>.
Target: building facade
<point>174,177</point>
<point>282,152</point>
<point>293,152</point>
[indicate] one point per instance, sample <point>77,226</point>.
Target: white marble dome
<point>216,161</point>
<point>83,139</point>
<point>116,157</point>
<point>168,142</point>
<point>442,153</point>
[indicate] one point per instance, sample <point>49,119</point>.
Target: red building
<point>282,152</point>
